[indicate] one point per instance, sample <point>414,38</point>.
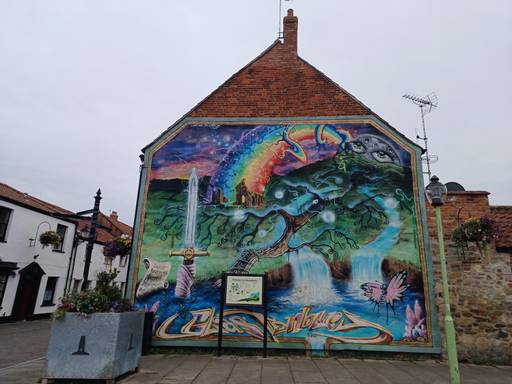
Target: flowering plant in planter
<point>120,246</point>
<point>478,230</point>
<point>49,238</point>
<point>105,297</point>
<point>95,335</point>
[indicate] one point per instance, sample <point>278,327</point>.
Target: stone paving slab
<point>333,372</point>
<point>246,371</point>
<point>364,372</point>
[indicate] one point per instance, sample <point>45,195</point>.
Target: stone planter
<point>99,346</point>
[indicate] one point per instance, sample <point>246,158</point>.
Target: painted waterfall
<point>329,210</point>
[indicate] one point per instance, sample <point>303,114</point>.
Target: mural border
<point>418,187</point>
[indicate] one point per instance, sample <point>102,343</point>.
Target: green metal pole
<point>449,328</point>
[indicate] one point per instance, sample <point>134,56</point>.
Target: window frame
<point>3,274</point>
<point>49,302</point>
<point>5,224</point>
<point>60,247</point>
<point>109,260</point>
<point>123,260</point>
<point>77,283</point>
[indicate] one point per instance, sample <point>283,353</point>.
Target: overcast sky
<point>84,85</point>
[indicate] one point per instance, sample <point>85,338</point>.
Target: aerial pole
<point>427,104</point>
<point>280,35</point>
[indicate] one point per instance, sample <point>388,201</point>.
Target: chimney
<point>113,216</point>
<point>290,26</point>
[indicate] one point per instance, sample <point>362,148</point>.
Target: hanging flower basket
<point>49,238</point>
<point>120,246</point>
<point>478,230</point>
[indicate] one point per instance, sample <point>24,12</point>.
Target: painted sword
<point>186,274</point>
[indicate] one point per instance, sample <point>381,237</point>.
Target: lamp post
<point>436,195</point>
<point>91,239</point>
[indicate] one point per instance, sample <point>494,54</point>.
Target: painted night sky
<point>230,154</point>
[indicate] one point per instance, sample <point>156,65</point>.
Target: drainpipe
<point>141,157</point>
<point>71,259</point>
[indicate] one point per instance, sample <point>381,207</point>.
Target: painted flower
<point>415,325</point>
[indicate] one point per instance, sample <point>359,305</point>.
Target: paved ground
<point>201,369</point>
<point>158,369</point>
<point>22,341</point>
<point>23,345</point>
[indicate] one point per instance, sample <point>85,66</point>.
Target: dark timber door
<point>26,295</point>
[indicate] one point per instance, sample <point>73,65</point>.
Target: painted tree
<point>325,206</point>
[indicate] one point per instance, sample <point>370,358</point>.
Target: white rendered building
<point>33,277</point>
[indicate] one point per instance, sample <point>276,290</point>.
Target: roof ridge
<point>114,224</point>
<point>336,85</point>
<point>27,197</point>
<point>14,189</point>
<point>203,100</point>
<point>49,205</point>
<point>370,112</point>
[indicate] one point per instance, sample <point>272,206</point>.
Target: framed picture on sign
<point>244,290</point>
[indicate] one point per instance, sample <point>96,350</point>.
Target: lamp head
<point>436,192</point>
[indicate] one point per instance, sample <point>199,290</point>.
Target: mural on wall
<point>327,210</point>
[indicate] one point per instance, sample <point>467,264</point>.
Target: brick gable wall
<point>278,83</point>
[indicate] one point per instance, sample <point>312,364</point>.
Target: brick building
<point>265,133</point>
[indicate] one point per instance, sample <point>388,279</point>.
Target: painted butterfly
<point>379,293</point>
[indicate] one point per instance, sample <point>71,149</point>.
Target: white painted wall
<point>97,265</point>
<point>22,226</point>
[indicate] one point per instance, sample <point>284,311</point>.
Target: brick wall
<point>480,285</point>
<point>278,83</point>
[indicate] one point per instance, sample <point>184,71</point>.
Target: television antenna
<point>427,104</point>
<point>280,33</point>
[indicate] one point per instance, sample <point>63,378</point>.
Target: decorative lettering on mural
<point>244,322</point>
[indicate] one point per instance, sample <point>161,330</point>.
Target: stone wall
<point>480,285</point>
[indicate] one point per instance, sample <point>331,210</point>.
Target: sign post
<point>243,290</point>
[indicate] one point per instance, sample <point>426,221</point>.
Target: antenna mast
<point>427,104</point>
<point>280,35</point>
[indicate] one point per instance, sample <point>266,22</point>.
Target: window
<point>3,283</point>
<point>5,214</point>
<point>123,260</point>
<point>49,292</point>
<point>61,231</point>
<point>108,261</point>
<point>76,285</point>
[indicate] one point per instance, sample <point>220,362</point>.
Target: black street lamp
<point>91,238</point>
<point>436,192</point>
